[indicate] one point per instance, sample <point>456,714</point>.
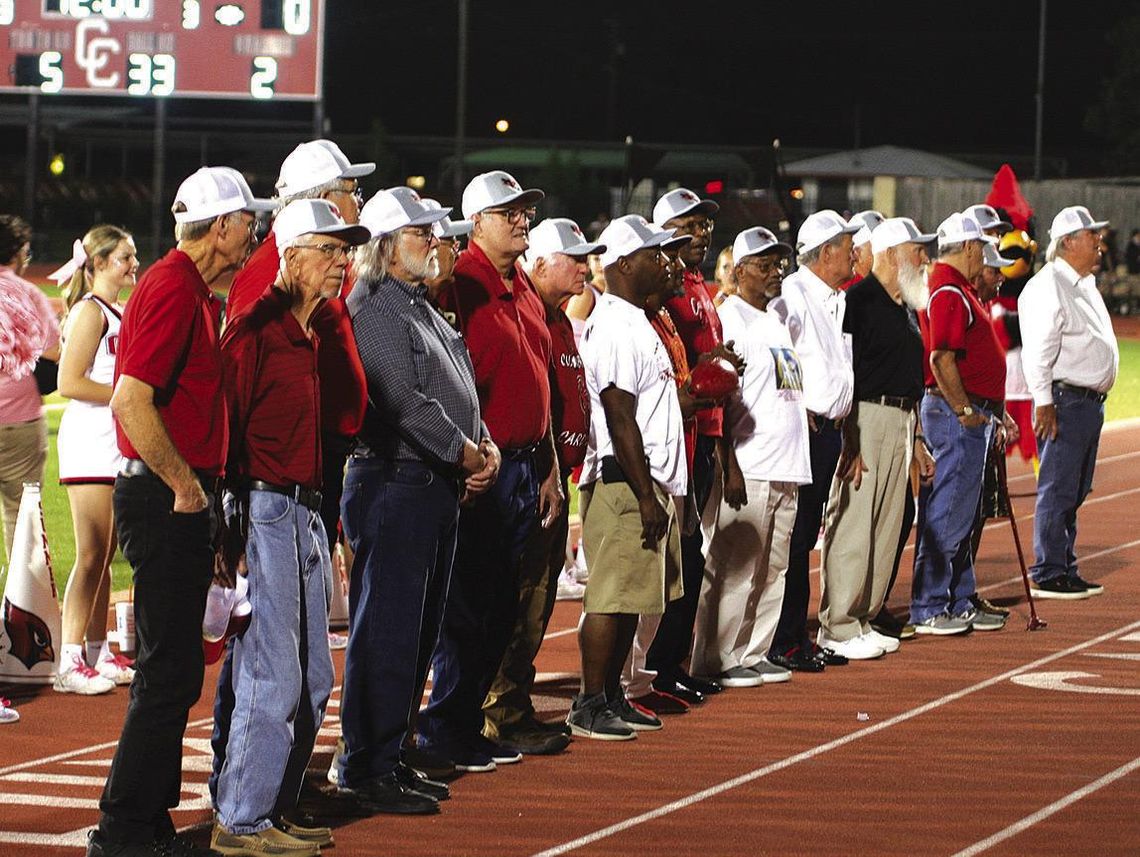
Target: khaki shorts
<point>625,577</point>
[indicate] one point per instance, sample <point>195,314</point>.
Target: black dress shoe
<point>387,794</point>
<point>431,765</point>
<point>685,694</point>
<point>828,657</point>
<point>551,727</point>
<point>417,782</point>
<point>797,660</point>
<point>536,743</point>
<point>662,703</point>
<point>703,686</point>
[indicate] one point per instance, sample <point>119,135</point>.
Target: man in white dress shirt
<point>634,471</point>
<point>1071,359</point>
<point>811,307</point>
<point>764,452</point>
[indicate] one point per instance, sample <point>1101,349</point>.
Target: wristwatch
<point>967,411</point>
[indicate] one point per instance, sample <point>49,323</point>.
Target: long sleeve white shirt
<point>813,313</point>
<point>1066,333</point>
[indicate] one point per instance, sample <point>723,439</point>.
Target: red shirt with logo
<point>955,320</point>
<point>504,324</point>
<point>169,340</point>
<point>343,387</point>
<point>569,398</point>
<point>273,395</point>
<point>694,315</point>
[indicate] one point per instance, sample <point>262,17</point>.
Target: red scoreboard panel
<point>264,49</point>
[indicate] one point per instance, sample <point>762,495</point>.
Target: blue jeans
<point>482,604</point>
<point>1066,477</point>
<point>943,564</point>
<point>282,672</point>
<point>400,520</point>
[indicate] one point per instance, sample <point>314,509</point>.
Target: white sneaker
<point>338,642</point>
<point>117,668</point>
<point>860,648</point>
<point>8,714</point>
<point>888,644</point>
<point>79,678</point>
<point>581,573</point>
<point>568,588</point>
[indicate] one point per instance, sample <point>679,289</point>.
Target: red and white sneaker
<point>118,668</point>
<point>77,677</point>
<point>7,713</point>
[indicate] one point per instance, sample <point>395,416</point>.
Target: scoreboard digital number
<point>263,49</point>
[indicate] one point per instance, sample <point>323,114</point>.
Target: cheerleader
<point>103,264</point>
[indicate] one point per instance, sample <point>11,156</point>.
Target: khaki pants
<point>862,527</point>
<point>746,558</point>
<point>23,452</point>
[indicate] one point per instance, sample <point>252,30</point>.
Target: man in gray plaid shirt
<point>422,449</point>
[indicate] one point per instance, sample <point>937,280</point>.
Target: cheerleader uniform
<point>88,449</point>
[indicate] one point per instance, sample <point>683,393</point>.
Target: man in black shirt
<point>865,506</point>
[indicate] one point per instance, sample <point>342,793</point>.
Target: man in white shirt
<point>764,451</point>
<point>811,307</point>
<point>634,471</point>
<point>1071,359</point>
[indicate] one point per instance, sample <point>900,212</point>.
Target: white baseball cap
<point>316,217</point>
<point>388,211</point>
<point>214,191</point>
<point>313,164</point>
<point>1075,218</point>
<point>895,231</point>
<point>560,235</point>
<point>754,241</point>
<point>987,217</point>
<point>679,202</point>
<point>821,227</point>
<point>992,258</point>
<point>495,188</point>
<point>960,227</point>
<point>447,228</point>
<point>868,220</point>
<point>626,235</point>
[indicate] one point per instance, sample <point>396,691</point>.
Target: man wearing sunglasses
<point>504,322</point>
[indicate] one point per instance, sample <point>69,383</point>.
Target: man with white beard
<point>868,493</point>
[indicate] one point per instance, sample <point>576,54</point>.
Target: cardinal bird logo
<point>31,639</point>
<point>509,182</point>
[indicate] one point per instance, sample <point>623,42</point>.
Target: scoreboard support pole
<point>30,159</point>
<point>158,179</point>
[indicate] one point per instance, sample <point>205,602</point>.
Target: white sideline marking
<point>1119,656</point>
<point>1060,681</point>
<point>1053,808</point>
<point>819,750</point>
<point>54,779</point>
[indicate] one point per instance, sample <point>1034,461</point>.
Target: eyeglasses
<point>696,226</point>
<point>514,216</point>
<point>767,266</point>
<point>355,192</point>
<point>423,232</point>
<point>330,251</point>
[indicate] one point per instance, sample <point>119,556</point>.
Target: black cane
<point>1035,621</point>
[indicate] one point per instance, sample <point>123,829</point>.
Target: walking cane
<point>1035,622</point>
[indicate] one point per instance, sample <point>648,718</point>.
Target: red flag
<point>1006,193</point>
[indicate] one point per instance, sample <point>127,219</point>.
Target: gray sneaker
<point>982,620</point>
<point>942,625</point>
<point>591,717</point>
<point>770,673</point>
<point>739,677</point>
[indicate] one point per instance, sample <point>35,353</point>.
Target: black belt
<point>310,498</point>
<point>138,467</point>
<point>519,452</point>
<point>992,405</point>
<point>901,402</point>
<point>1083,392</point>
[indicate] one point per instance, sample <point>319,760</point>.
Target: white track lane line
<point>1053,808</point>
<point>806,755</point>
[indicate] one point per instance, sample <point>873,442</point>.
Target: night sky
<point>727,72</point>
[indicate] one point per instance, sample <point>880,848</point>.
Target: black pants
<point>334,453</point>
<point>674,638</point>
<point>173,562</point>
<point>824,445</point>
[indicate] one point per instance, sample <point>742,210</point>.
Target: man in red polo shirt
<point>273,473</point>
<point>171,424</point>
<point>556,264</point>
<point>319,170</point>
<point>696,320</point>
<point>965,386</point>
<point>504,323</point>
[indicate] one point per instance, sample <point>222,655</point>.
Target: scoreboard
<point>263,49</point>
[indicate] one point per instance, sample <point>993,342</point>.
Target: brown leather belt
<point>992,405</point>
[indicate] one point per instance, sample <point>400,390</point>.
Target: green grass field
<point>1124,403</point>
